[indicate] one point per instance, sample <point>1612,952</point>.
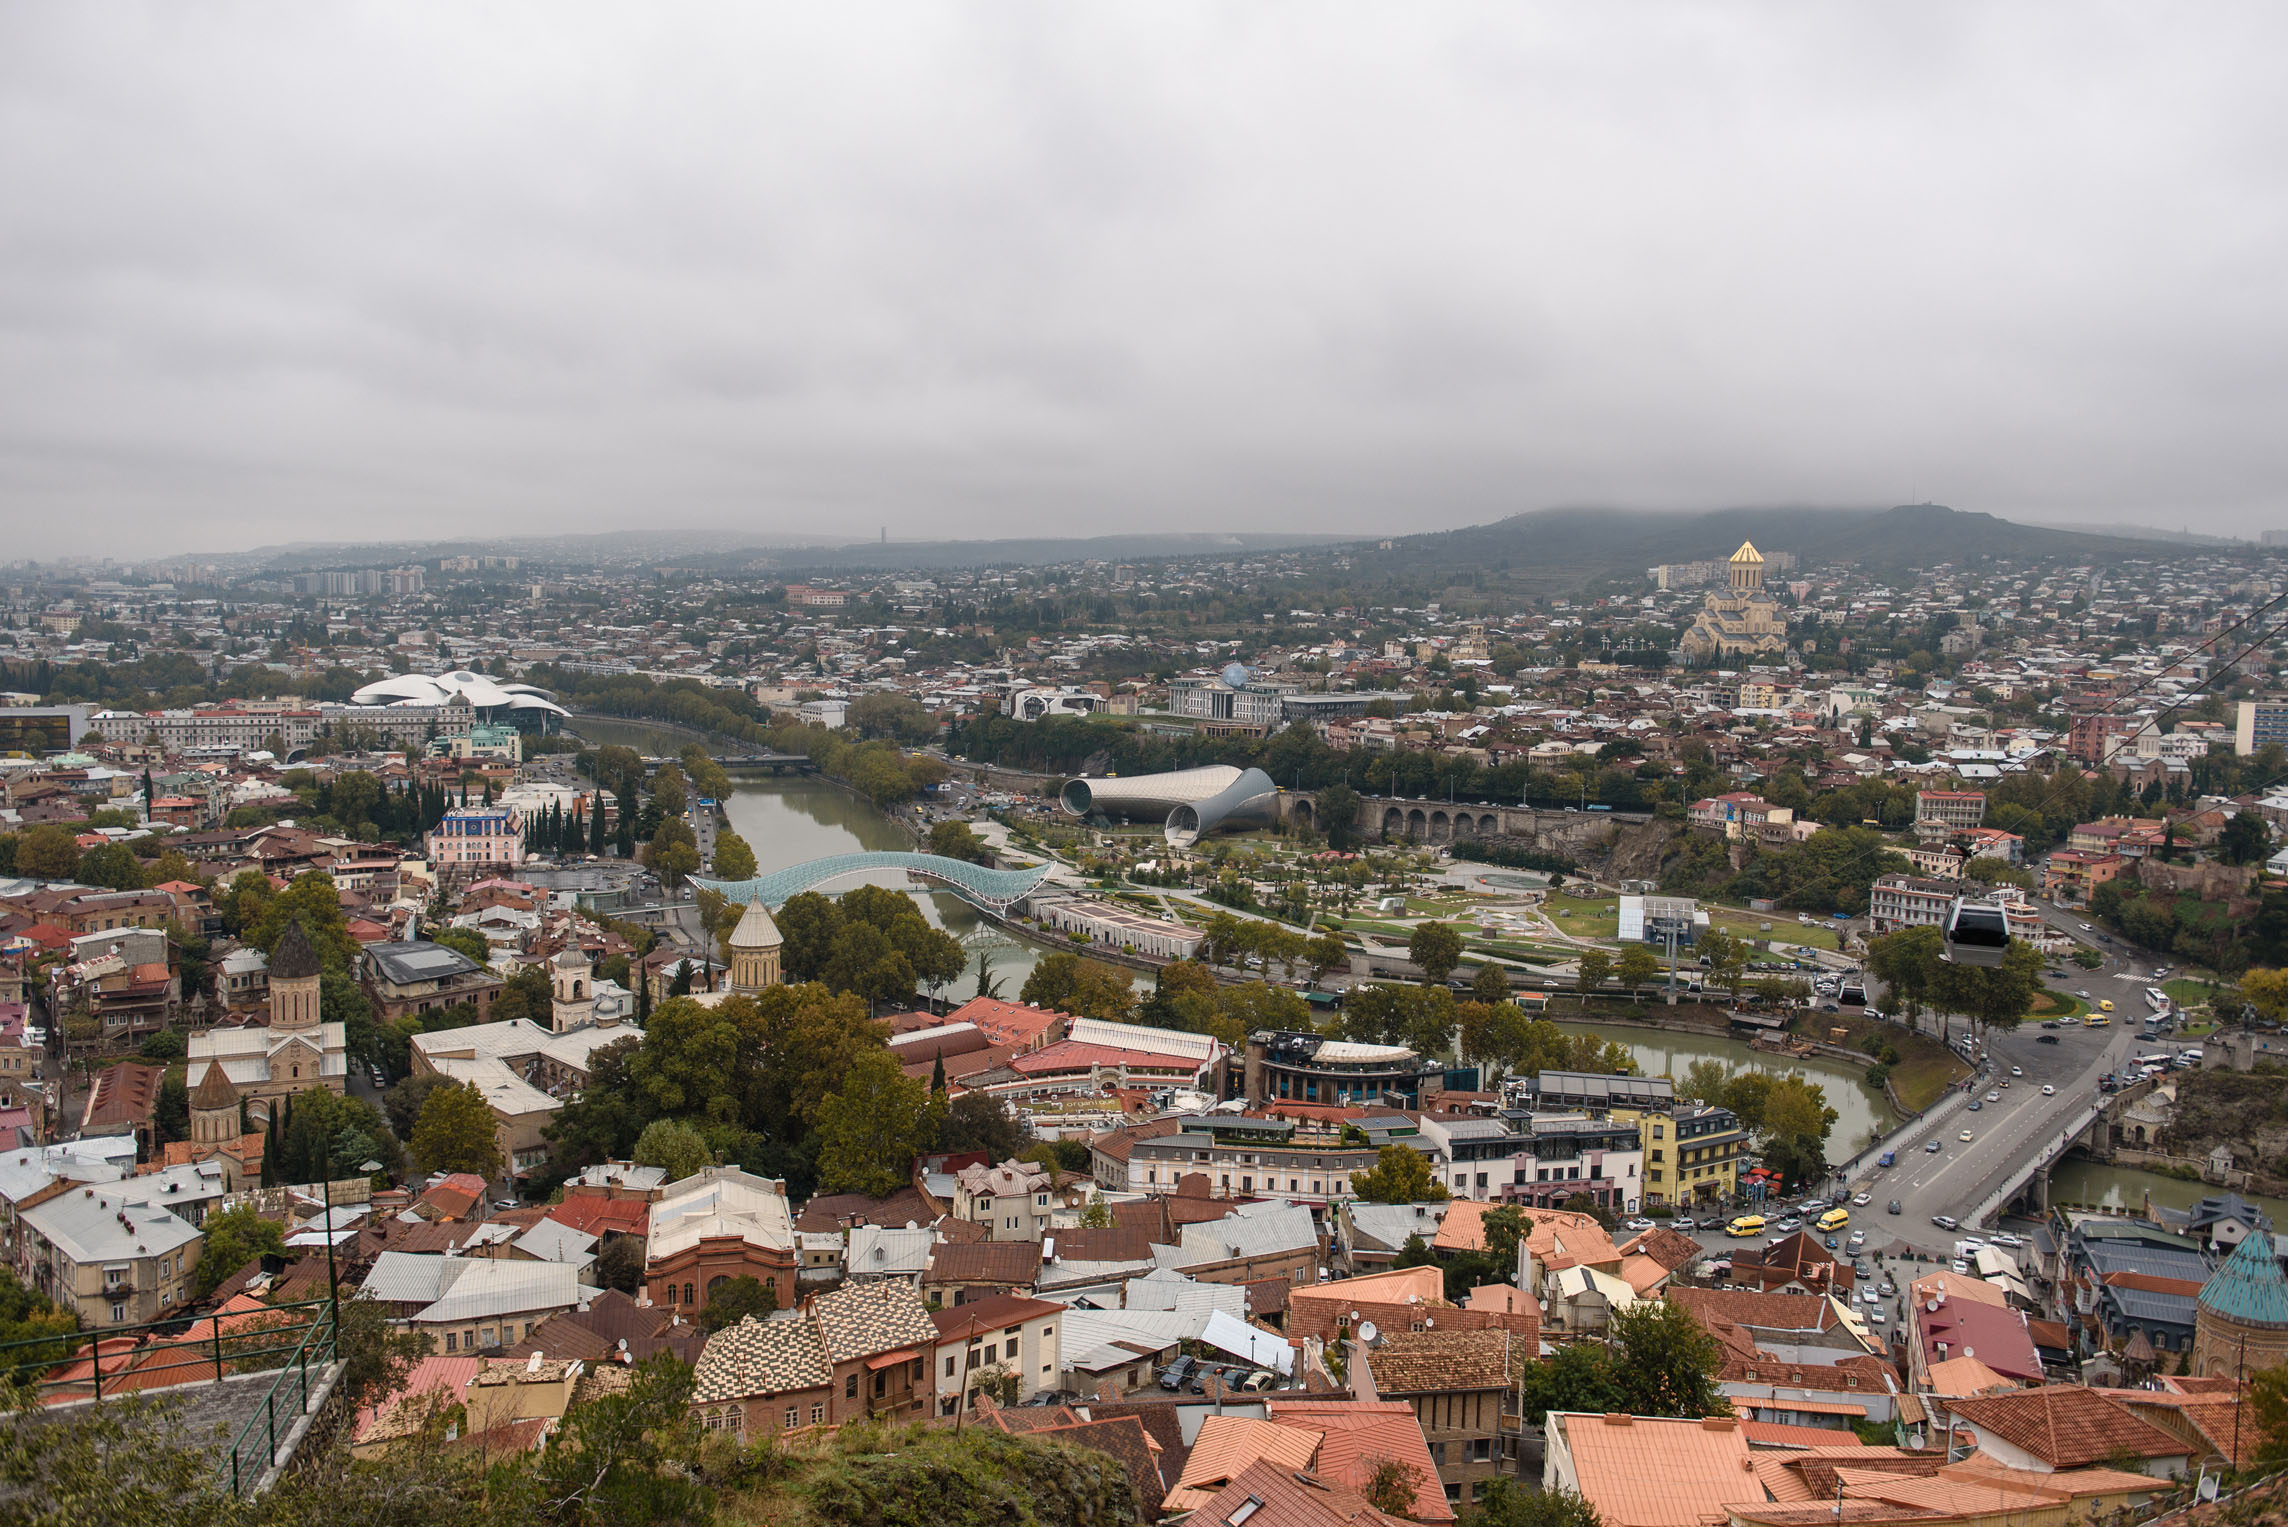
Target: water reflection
<point>1862,1112</point>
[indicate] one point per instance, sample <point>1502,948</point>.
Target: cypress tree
<point>271,1145</point>
<point>937,1073</point>
<point>596,825</point>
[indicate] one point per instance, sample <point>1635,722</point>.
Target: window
<point>817,1414</point>
<point>790,1418</point>
<point>992,1352</point>
<point>118,1314</point>
<point>452,1338</point>
<point>850,1385</point>
<point>949,1367</point>
<point>881,1382</point>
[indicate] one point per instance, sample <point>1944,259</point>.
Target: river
<point>1862,1112</point>
<point>2077,1181</point>
<point>792,819</point>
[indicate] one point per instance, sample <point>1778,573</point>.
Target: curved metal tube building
<point>1145,797</point>
<point>1189,801</point>
<point>1250,798</point>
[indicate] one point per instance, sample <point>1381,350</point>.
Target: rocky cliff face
<point>1637,850</point>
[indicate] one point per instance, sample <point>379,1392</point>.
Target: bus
<point>2157,999</point>
<point>1746,1225</point>
<point>1834,1219</point>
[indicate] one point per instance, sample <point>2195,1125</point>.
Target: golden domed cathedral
<point>1743,619</point>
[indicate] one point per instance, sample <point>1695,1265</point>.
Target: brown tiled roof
<point>1432,1362</point>
<point>1161,1418</point>
<point>1267,1297</point>
<point>2066,1426</point>
<point>1126,1441</point>
<point>1113,1244</point>
<point>1670,1248</point>
<point>1011,1262</point>
<point>1291,1498</point>
<point>862,1319</point>
<point>1119,1144</point>
<point>836,1211</point>
<point>1779,1312</point>
<point>980,1317</point>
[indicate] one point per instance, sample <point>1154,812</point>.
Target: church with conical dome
<point>2240,1320</point>
<point>755,948</point>
<point>1742,620</point>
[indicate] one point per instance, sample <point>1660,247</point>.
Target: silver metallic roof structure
<point>1145,797</point>
<point>1250,798</point>
<point>1189,802</point>
<point>997,890</point>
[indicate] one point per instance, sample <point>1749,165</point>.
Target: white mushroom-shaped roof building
<point>494,700</point>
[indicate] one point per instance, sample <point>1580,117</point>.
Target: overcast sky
<point>332,271</point>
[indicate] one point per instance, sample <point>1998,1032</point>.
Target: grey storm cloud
<point>275,271</point>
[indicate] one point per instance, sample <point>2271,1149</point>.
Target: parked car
<point>1887,1289</point>
<point>1686,1222</point>
<point>1959,1266</point>
<point>1636,1224</point>
<point>1877,1317</point>
<point>1178,1373</point>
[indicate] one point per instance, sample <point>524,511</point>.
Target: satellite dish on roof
<point>1367,1333</point>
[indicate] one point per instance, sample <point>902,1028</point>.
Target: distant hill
<point>1565,547</point>
<point>893,555</point>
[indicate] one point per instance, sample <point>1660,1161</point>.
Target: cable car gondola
<point>1977,933</point>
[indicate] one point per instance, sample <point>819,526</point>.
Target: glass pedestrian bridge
<point>995,890</point>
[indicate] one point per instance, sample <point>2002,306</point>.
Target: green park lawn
<point>1598,917</point>
<point>2186,992</point>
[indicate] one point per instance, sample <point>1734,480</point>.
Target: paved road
<point>2022,1121</point>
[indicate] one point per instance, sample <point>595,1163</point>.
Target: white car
<point>1964,1137</point>
<point>2049,1091</point>
<point>1877,1317</point>
<point>1636,1224</point>
<point>2017,1071</point>
<point>1994,1097</point>
<point>2005,1238</point>
<point>2086,928</point>
<point>1861,1200</point>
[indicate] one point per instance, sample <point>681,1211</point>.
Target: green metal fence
<point>164,1357</point>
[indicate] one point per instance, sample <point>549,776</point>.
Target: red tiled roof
<point>2066,1426</point>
